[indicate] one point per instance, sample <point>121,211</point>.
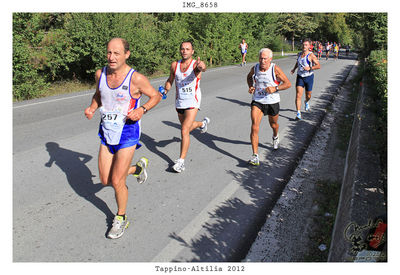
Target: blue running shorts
<point>130,137</point>
<point>305,82</point>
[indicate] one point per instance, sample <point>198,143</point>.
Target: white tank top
<point>188,93</point>
<point>263,80</point>
<point>303,62</point>
<point>243,46</point>
<point>116,103</point>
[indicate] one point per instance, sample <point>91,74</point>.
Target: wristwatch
<point>145,110</point>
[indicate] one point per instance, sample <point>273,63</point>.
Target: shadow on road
<point>209,140</point>
<point>79,176</point>
<point>234,224</point>
<point>239,102</point>
<point>154,146</point>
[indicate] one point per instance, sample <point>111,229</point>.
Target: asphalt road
<point>210,212</point>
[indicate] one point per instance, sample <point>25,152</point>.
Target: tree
<point>296,25</point>
<point>372,27</point>
<point>333,27</point>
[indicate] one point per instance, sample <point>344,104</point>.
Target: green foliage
<point>377,75</point>
<point>296,25</point>
<point>143,35</point>
<point>333,27</point>
<point>27,80</point>
<point>50,47</point>
<point>377,72</point>
<point>370,30</point>
<point>89,34</point>
<point>377,69</point>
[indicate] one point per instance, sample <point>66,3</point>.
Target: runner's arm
<point>295,67</point>
<point>250,81</point>
<point>96,99</point>
<point>142,85</point>
<point>314,60</point>
<point>170,80</point>
<point>284,81</point>
<point>199,67</point>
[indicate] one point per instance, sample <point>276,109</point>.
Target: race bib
<point>113,119</point>
<point>186,92</point>
<point>261,92</point>
<point>112,123</point>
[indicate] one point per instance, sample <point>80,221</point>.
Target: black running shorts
<point>267,109</point>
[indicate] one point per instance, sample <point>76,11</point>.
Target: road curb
<point>349,244</point>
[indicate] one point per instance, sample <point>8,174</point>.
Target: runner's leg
<point>188,124</point>
<point>308,95</point>
<point>273,122</point>
<point>121,163</point>
<point>105,162</point>
<point>299,94</point>
<point>256,117</point>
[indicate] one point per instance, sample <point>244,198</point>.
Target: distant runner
<point>118,94</point>
<point>319,50</point>
<point>243,50</point>
<point>327,50</point>
<point>306,63</point>
<point>187,74</point>
<point>336,50</point>
<point>265,80</point>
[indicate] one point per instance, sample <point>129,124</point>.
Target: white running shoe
<point>275,142</point>
<point>118,227</point>
<point>206,121</point>
<point>298,116</point>
<point>255,161</point>
<point>142,176</point>
<point>306,106</point>
<point>179,165</point>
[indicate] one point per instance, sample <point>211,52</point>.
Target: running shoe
<point>254,160</point>
<point>275,142</point>
<point>306,106</point>
<point>206,121</point>
<point>179,165</point>
<point>118,227</point>
<point>298,116</point>
<point>142,176</point>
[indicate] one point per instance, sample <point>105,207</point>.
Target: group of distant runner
<point>118,98</point>
<point>329,47</point>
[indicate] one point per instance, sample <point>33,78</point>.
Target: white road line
<point>52,100</point>
<point>174,247</point>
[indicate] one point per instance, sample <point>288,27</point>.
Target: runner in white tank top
<point>188,93</point>
<point>243,50</point>
<point>119,89</point>
<point>265,79</point>
<point>115,128</point>
<point>306,63</point>
<point>187,74</point>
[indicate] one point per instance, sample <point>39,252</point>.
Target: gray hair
<point>269,52</point>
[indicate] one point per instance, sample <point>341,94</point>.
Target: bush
<point>27,81</point>
<point>377,75</point>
